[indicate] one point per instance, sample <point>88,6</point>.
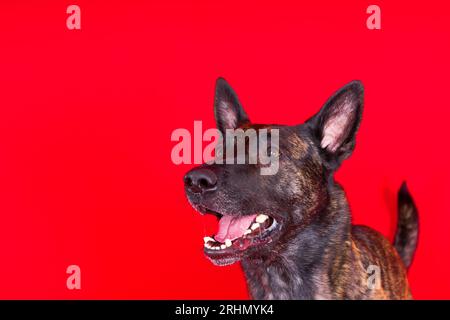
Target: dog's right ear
<point>336,124</point>
<point>227,108</point>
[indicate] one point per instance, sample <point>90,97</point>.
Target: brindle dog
<point>292,230</point>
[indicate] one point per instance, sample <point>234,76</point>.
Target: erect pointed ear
<point>227,109</point>
<point>336,124</point>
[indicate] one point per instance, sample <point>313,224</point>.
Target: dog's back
<point>375,269</point>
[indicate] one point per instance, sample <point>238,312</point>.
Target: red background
<point>86,117</point>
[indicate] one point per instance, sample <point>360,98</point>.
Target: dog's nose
<point>200,180</point>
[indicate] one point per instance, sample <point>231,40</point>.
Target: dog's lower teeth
<point>262,224</point>
<point>212,244</point>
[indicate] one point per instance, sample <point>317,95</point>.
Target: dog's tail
<point>407,226</point>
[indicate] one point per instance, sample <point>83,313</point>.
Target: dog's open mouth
<point>237,234</point>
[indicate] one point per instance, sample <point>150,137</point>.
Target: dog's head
<point>259,213</point>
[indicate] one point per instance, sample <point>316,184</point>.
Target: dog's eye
<point>274,152</point>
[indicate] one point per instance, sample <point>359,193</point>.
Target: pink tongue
<point>233,227</point>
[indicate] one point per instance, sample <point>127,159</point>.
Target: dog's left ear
<point>336,124</point>
<point>227,108</point>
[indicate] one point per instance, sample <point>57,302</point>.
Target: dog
<point>292,230</point>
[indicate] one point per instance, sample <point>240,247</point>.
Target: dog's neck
<point>301,270</point>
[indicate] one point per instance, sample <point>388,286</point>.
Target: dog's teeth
<point>207,245</point>
<point>228,243</point>
<point>261,218</point>
<point>255,226</point>
<point>207,239</point>
<point>246,232</point>
<point>223,246</point>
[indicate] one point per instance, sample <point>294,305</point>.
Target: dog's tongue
<point>233,227</point>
